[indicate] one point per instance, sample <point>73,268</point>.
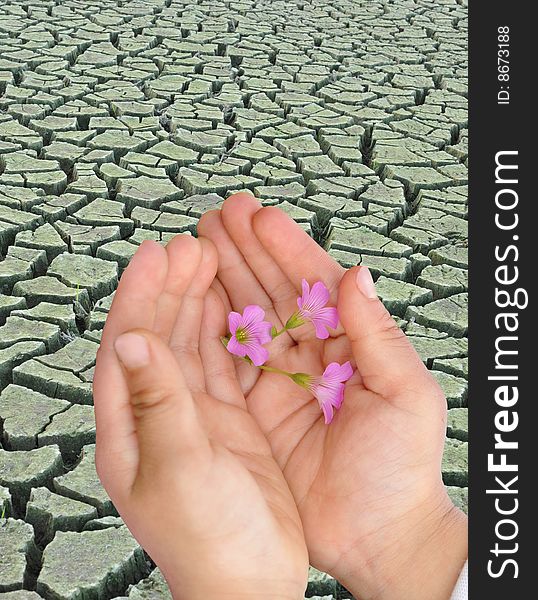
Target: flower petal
<point>261,331</point>
<point>329,388</point>
<point>319,295</point>
<point>321,330</point>
<point>235,347</point>
<point>332,371</point>
<point>306,293</point>
<point>252,314</point>
<point>328,412</point>
<point>346,371</point>
<point>339,398</point>
<point>338,373</point>
<point>330,315</point>
<point>234,320</point>
<point>257,354</point>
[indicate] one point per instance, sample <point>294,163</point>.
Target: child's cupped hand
<point>184,462</point>
<point>222,471</point>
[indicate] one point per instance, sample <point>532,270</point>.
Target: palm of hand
<point>347,478</point>
<point>377,460</point>
<point>210,487</point>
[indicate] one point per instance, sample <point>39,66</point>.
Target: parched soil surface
<point>127,120</point>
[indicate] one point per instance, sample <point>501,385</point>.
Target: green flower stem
<point>302,379</point>
<point>275,370</point>
<point>296,320</point>
<point>226,338</point>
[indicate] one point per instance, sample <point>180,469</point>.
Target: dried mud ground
<point>126,120</point>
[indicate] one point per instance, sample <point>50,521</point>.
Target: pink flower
<point>312,308</point>
<point>329,388</point>
<point>249,331</point>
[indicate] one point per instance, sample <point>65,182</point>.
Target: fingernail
<point>132,350</point>
<point>365,283</point>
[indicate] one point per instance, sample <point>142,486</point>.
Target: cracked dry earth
<point>126,120</point>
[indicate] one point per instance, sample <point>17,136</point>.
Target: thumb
<point>386,360</point>
<point>167,426</point>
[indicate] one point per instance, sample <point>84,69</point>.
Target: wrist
<point>421,557</point>
<point>260,594</point>
<point>235,590</point>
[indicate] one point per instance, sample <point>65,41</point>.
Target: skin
<point>364,491</point>
<point>185,464</point>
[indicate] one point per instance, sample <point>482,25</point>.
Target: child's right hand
<point>368,486</point>
<point>184,462</point>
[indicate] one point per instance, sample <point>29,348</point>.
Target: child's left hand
<point>185,464</point>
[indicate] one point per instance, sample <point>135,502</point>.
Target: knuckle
<point>222,372</point>
<point>388,328</point>
<point>185,346</point>
<point>151,399</point>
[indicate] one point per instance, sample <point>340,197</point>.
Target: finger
<point>184,256</point>
<point>167,425</point>
<point>241,284</point>
<point>185,336</point>
<point>134,305</point>
<point>246,375</point>
<point>388,363</point>
<point>219,289</point>
<point>237,214</point>
<point>135,300</point>
<point>296,254</point>
<point>220,375</point>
